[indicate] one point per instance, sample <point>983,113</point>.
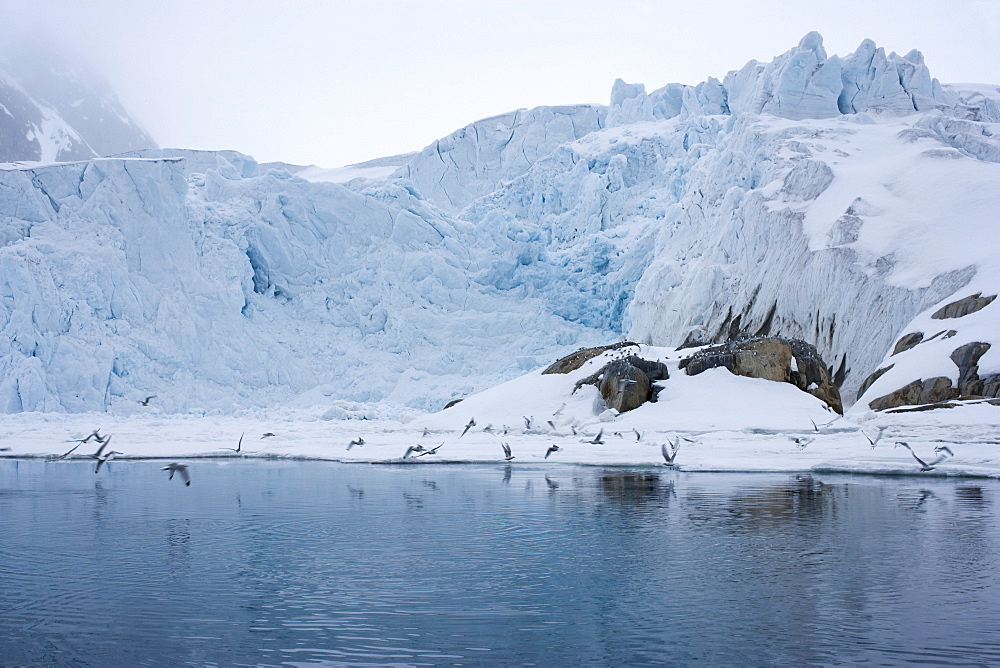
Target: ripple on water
<point>302,562</point>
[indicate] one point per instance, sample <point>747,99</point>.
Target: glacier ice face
<point>830,199</point>
<point>471,162</point>
<point>217,289</point>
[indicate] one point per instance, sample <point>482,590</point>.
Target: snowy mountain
<point>838,200</point>
<point>53,108</point>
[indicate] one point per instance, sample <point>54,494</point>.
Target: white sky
<point>337,82</point>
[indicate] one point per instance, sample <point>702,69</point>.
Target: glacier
<point>837,200</point>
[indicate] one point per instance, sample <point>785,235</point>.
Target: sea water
<point>293,562</point>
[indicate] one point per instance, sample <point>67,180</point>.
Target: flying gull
<point>506,451</point>
<point>470,425</point>
<point>432,450</point>
<point>239,445</point>
<point>924,466</point>
<point>145,402</point>
<point>178,468</point>
<point>267,434</point>
<point>669,458</point>
<point>552,448</point>
<point>597,439</point>
<point>357,441</point>
<point>878,436</point>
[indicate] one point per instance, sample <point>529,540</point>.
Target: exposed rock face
<point>777,359</point>
<point>938,389</point>
<point>963,307</point>
<point>627,383</point>
<point>905,343</point>
<point>624,386</point>
<point>875,375</point>
<point>574,361</point>
<point>930,391</point>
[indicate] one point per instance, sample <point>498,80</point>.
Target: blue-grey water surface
<point>281,562</point>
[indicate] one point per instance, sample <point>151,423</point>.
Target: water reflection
<point>303,562</point>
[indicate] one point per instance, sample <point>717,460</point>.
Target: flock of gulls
<point>668,450</point>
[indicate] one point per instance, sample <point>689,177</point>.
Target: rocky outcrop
<point>574,361</point>
<point>872,377</point>
<point>626,383</point>
<point>939,389</point>
<point>930,391</point>
<point>905,343</point>
<point>782,360</point>
<point>963,307</point>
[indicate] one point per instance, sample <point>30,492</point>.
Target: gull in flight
<point>669,458</point>
<point>178,468</point>
<point>357,441</point>
<point>267,434</point>
<point>877,436</point>
<point>527,421</point>
<point>802,441</point>
<point>426,432</point>
<point>431,451</point>
<point>101,459</point>
<point>145,402</point>
<point>470,425</point>
<point>506,452</point>
<point>924,466</point>
<point>638,436</point>
<point>551,424</point>
<point>239,445</point>
<point>597,439</point>
<point>80,441</point>
<point>552,448</point>
<point>413,448</point>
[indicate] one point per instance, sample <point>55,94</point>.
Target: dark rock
<point>624,386</point>
<point>626,383</point>
<point>452,403</point>
<point>574,361</point>
<point>963,306</point>
<point>771,359</point>
<point>875,375</point>
<point>908,341</point>
<point>966,358</point>
<point>930,391</point>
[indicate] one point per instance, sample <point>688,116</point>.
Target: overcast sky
<point>332,83</point>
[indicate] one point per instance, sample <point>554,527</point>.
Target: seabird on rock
<point>552,448</point>
<point>178,468</point>
<point>506,451</point>
<point>470,425</point>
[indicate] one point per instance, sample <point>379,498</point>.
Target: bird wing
<point>663,450</point>
<point>239,444</point>
<point>506,449</point>
<point>183,470</point>
<point>919,460</point>
<point>406,454</point>
<point>67,454</point>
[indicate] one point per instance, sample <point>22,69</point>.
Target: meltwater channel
<point>293,562</point>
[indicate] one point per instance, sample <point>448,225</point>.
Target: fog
<point>332,83</point>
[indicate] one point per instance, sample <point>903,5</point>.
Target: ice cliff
<point>837,200</point>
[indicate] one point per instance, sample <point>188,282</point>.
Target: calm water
<point>263,562</point>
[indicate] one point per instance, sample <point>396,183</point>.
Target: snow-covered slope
<point>53,108</point>
<point>837,200</point>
